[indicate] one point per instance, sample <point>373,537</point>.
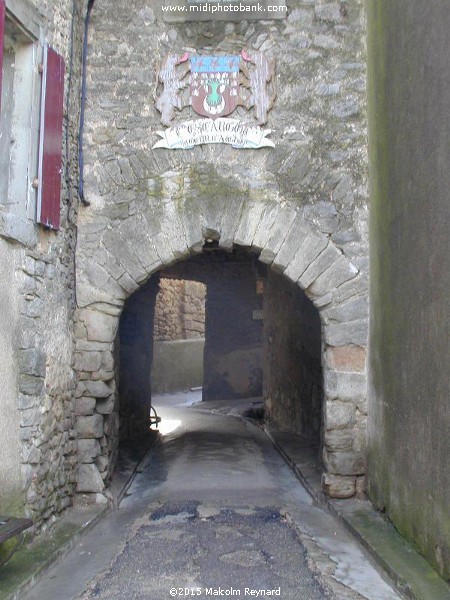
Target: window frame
<point>22,207</point>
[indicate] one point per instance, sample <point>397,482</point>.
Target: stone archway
<point>302,206</point>
<point>117,256</point>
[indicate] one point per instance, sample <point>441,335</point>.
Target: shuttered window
<point>50,144</point>
<point>31,121</point>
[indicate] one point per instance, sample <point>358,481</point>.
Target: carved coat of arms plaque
<point>215,88</point>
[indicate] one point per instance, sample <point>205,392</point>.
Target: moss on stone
<point>406,566</point>
<point>33,557</point>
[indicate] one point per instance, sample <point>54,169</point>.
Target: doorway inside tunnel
<point>226,323</point>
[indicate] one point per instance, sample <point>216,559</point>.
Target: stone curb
<point>119,490</point>
<point>378,536</point>
<point>318,497</point>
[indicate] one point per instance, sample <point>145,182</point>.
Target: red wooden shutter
<point>50,144</point>
<point>2,31</point>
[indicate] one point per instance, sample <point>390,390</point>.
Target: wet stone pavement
<point>214,511</point>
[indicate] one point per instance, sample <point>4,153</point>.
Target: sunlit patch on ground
<point>168,426</point>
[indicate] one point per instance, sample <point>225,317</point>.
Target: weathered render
<point>409,409</point>
<point>301,207</point>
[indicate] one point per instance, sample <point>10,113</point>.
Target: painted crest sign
<point>214,85</point>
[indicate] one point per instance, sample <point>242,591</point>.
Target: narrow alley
<point>233,215</point>
<point>214,511</point>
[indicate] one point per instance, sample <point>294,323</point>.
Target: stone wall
<point>233,341</point>
<point>409,424</point>
<point>38,402</point>
<point>293,382</point>
<point>177,366</point>
<point>180,310</point>
<point>300,207</point>
<point>136,357</point>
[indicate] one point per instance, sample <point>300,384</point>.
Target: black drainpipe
<point>83,104</point>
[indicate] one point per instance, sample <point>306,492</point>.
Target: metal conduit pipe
<point>83,105</point>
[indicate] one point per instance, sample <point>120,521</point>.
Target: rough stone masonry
<point>37,299</point>
<point>301,206</point>
<point>179,310</point>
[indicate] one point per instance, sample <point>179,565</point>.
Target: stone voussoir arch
<point>114,260</point>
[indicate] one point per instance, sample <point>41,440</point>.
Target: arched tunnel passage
<point>262,340</point>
